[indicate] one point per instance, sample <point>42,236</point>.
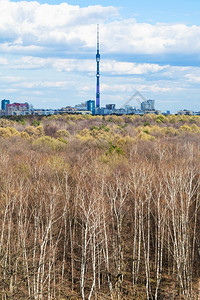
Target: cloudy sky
<point>48,48</point>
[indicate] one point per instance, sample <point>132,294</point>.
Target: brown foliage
<point>106,215</point>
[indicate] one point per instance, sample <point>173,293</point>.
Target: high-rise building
<point>98,73</point>
<point>17,109</point>
<point>91,105</point>
<point>147,105</point>
<point>3,103</point>
<point>110,106</point>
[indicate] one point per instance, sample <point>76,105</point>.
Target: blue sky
<point>47,52</point>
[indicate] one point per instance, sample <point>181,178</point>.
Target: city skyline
<point>47,52</point>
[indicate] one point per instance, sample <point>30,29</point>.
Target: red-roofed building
<point>17,109</point>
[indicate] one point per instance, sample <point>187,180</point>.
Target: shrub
<point>146,131</point>
<point>48,143</point>
<point>13,131</point>
<point>105,128</point>
<point>144,136</point>
<point>5,133</point>
<point>195,128</point>
<point>171,131</point>
<point>24,135</point>
<point>84,132</point>
<point>32,131</point>
<point>6,123</point>
<point>62,133</point>
<point>94,128</point>
<point>62,140</point>
<point>114,119</point>
<point>57,163</point>
<point>35,123</point>
<point>160,119</point>
<point>186,128</point>
<point>114,149</point>
<point>51,128</point>
<point>40,130</point>
<point>8,132</point>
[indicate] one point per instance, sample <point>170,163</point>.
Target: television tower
<point>98,74</point>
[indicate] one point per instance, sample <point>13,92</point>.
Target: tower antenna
<point>98,74</point>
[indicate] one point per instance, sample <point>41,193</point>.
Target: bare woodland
<point>100,207</point>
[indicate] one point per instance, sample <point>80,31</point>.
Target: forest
<point>95,207</point>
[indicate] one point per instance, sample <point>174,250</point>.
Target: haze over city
<point>48,48</point>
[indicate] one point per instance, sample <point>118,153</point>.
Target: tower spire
<point>98,74</point>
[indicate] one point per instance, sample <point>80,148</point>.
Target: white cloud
<point>30,62</point>
<point>132,37</point>
<point>38,93</point>
<point>107,66</point>
<point>9,90</point>
<point>31,27</point>
<point>20,49</point>
<point>3,61</point>
<point>116,88</point>
<point>115,67</point>
<point>155,88</point>
<point>193,77</point>
<point>30,23</point>
<point>131,88</point>
<point>49,52</point>
<point>10,79</point>
<point>69,65</point>
<point>46,84</point>
<point>112,67</point>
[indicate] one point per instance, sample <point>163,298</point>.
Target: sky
<point>48,49</point>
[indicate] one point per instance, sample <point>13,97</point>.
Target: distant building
<point>90,104</point>
<point>110,106</point>
<point>44,112</point>
<point>103,111</point>
<point>185,112</point>
<point>17,109</point>
<point>129,110</point>
<point>148,106</point>
<point>67,109</point>
<point>3,103</point>
<point>108,110</point>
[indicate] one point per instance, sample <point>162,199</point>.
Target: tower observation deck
<point>98,74</point>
